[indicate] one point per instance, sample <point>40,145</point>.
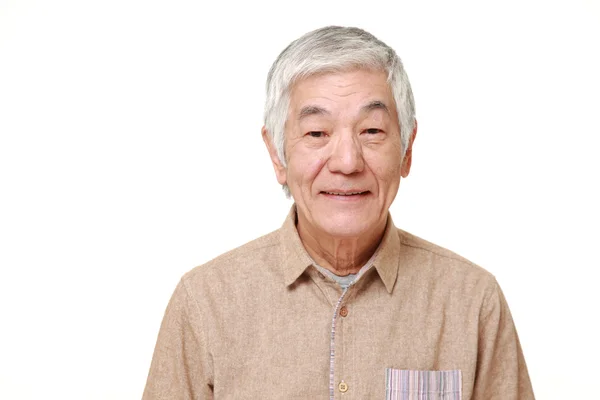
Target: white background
<point>130,152</point>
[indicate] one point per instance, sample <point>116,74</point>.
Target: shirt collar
<point>296,259</point>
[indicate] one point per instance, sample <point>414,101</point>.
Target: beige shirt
<point>256,323</point>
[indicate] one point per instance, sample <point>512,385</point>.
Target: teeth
<point>343,194</point>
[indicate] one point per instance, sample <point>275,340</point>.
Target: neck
<point>342,256</point>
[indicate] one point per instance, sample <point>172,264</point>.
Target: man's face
<point>343,150</point>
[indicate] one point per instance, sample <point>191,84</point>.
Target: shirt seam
<point>455,258</point>
<point>203,332</point>
<point>487,304</point>
<point>232,254</point>
<point>324,291</point>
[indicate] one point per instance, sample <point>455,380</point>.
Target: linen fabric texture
<point>256,323</point>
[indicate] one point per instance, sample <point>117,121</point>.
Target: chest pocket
<point>403,384</point>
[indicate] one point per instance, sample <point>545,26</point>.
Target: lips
<point>345,193</point>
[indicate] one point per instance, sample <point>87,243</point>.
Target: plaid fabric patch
<point>422,385</point>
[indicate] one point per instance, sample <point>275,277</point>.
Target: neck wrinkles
<point>342,256</point>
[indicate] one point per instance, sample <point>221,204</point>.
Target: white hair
<point>333,49</point>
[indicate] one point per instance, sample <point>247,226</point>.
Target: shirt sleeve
<point>501,369</point>
<point>181,368</point>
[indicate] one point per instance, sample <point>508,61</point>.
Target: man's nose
<point>346,155</point>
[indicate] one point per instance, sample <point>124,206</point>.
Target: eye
<point>316,134</point>
<point>373,131</point>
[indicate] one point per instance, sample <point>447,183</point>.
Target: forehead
<point>353,88</point>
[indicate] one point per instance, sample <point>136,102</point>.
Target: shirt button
<point>343,387</point>
<point>321,275</point>
<point>344,311</point>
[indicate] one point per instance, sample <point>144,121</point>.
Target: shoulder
<point>421,245</point>
<point>240,263</point>
<point>442,263</point>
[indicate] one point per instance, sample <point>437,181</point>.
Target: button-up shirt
<point>261,322</point>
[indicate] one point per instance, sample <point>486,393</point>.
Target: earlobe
<point>280,171</point>
<point>406,163</point>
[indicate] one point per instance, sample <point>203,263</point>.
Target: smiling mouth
<point>346,193</point>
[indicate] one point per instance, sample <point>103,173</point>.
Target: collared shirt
<point>256,323</point>
<point>345,281</point>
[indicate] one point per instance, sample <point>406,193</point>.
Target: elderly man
<point>338,303</point>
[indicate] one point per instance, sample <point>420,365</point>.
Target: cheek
<point>303,169</point>
<point>386,168</point>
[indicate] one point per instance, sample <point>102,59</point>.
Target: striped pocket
<point>403,384</point>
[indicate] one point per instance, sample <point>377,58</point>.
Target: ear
<point>280,170</point>
<point>407,161</point>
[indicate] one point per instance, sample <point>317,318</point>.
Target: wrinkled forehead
<point>360,89</point>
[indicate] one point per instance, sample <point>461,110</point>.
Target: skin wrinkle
<point>358,149</point>
<point>345,95</point>
<point>341,255</point>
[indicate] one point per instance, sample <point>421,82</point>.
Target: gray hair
<point>334,49</point>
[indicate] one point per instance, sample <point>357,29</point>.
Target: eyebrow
<point>375,105</point>
<point>312,110</point>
